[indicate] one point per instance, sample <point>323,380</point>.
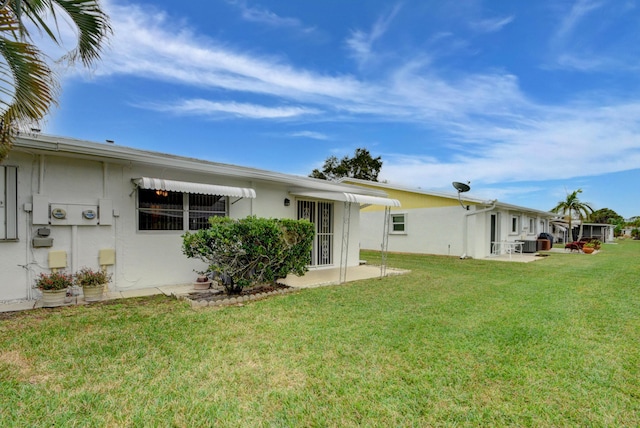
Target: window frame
<point>392,223</point>
<point>185,211</point>
<point>515,225</point>
<point>9,206</point>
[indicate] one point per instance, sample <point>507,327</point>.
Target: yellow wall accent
<point>409,199</point>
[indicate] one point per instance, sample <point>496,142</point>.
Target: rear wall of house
<point>142,258</point>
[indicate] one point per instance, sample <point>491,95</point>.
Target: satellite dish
<point>461,188</point>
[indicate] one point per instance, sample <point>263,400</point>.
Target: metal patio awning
<point>189,187</point>
<point>348,197</point>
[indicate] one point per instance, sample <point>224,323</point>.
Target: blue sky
<point>526,100</point>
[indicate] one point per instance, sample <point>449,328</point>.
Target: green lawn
<point>453,343</point>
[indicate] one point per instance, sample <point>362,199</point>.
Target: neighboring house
<point>438,223</point>
<point>66,203</point>
<point>601,231</point>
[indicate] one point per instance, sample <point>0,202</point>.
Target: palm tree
<point>572,206</point>
<point>28,87</point>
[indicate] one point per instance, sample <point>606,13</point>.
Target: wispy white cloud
<point>579,10</point>
<point>213,109</point>
<point>310,134</point>
<point>265,16</point>
<point>491,25</point>
<point>569,45</point>
<point>143,46</point>
<point>361,43</point>
<point>558,143</point>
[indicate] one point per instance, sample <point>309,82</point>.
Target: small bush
<point>250,251</point>
<point>87,277</point>
<point>54,281</point>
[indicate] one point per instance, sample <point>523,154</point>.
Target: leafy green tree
<point>572,206</point>
<point>605,216</point>
<point>29,87</point>
<point>362,165</point>
<point>608,216</point>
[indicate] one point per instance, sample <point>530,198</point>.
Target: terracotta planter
<point>202,285</point>
<point>51,298</point>
<point>588,250</point>
<point>93,294</point>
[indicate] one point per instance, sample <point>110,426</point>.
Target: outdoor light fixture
<point>287,202</point>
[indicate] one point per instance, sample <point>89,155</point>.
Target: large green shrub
<point>252,250</point>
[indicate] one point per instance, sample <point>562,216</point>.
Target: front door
<point>321,215</point>
<point>495,234</point>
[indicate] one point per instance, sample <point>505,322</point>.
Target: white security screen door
<point>321,215</point>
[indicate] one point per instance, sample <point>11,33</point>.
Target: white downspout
<point>465,227</point>
<point>74,248</point>
<point>40,174</point>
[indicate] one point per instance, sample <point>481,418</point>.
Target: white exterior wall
<point>428,231</point>
<point>441,230</point>
<point>143,258</point>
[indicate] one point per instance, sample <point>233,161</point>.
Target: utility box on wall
<point>70,214</point>
<point>73,214</point>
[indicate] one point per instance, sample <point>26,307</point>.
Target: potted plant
<point>93,283</point>
<point>588,248</point>
<point>54,287</point>
<point>203,282</point>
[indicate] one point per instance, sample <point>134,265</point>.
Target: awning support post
<point>385,242</point>
<point>344,254</point>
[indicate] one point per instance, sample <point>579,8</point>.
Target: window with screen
<point>514,224</point>
<point>165,210</point>
<point>398,223</point>
<point>201,207</point>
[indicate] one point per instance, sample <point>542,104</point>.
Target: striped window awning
<point>349,197</point>
<point>190,187</point>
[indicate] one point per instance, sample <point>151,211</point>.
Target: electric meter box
<point>70,214</point>
<point>73,214</point>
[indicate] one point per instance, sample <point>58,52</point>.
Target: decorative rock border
<point>233,300</point>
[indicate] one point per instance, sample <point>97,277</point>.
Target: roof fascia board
<point>121,154</point>
<point>447,195</point>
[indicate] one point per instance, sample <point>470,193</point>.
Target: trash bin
<point>543,245</point>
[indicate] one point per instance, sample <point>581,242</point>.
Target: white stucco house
<point>67,204</point>
<point>439,223</point>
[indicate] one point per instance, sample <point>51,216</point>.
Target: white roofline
<point>347,197</point>
<point>118,154</point>
<point>449,196</point>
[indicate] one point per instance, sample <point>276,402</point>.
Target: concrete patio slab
<point>331,276</point>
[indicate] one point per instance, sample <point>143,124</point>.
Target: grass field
<point>453,343</point>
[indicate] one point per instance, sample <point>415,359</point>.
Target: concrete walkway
<point>313,278</point>
<point>321,277</point>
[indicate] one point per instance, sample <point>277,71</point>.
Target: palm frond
<point>28,86</point>
<point>90,20</point>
